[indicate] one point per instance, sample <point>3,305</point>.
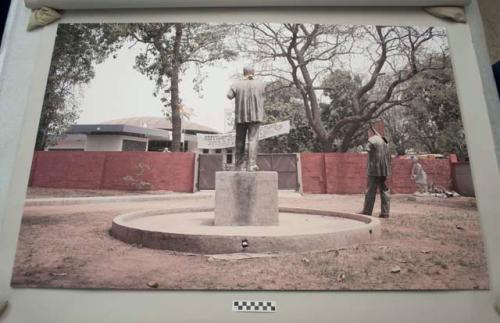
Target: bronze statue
<point>378,168</point>
<point>248,94</point>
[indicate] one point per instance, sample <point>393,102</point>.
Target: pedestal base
<point>246,198</point>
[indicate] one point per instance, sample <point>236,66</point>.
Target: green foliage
<point>284,103</point>
<point>78,47</point>
<point>340,87</point>
<point>201,45</point>
<point>431,123</point>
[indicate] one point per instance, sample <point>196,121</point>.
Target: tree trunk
<point>326,145</point>
<point>41,135</point>
<point>174,91</point>
<point>348,136</point>
<point>41,140</point>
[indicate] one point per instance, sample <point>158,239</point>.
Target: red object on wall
<point>114,170</point>
<point>453,158</point>
<point>346,173</point>
<point>379,126</point>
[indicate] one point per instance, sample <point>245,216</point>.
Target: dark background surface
<point>4,9</point>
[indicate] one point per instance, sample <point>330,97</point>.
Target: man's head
<point>248,72</point>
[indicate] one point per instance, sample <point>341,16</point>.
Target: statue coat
<point>249,97</point>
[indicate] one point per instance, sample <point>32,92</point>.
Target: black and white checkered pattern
<point>254,306</point>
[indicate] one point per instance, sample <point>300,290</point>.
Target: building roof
<point>160,123</point>
<point>110,129</point>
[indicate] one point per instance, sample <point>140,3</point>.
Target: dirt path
<point>436,245</point>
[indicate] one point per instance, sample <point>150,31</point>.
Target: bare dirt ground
<point>435,243</point>
<point>42,192</point>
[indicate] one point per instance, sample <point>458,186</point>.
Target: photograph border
<point>460,306</point>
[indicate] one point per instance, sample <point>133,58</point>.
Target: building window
<point>133,145</point>
<point>158,145</point>
<point>218,151</point>
<point>205,151</point>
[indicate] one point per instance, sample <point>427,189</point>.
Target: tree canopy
<point>303,54</point>
<point>431,122</point>
<point>77,48</point>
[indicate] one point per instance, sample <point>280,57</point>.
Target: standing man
<point>378,168</point>
<point>248,94</point>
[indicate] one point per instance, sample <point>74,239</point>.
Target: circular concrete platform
<point>192,230</point>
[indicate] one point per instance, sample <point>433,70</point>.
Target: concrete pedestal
<point>246,198</point>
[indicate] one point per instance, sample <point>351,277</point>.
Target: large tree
<point>303,54</point>
<point>77,48</point>
<point>169,49</point>
<point>434,115</point>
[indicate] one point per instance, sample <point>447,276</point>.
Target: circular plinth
<point>193,230</point>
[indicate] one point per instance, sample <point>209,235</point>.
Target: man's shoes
<point>385,216</point>
<point>364,213</point>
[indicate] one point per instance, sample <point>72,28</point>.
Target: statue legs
<point>241,134</point>
<point>242,129</point>
<point>253,144</point>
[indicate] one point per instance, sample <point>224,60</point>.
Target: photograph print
<point>251,156</point>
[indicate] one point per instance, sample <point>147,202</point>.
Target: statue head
<point>248,72</point>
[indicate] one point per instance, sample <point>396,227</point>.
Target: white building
<point>132,134</point>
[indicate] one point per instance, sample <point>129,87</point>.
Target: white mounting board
<point>24,63</point>
<point>141,4</point>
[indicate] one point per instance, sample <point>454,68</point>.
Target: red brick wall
<point>313,172</point>
<point>150,171</point>
<point>439,173</point>
<point>62,169</point>
<point>345,173</point>
<point>114,170</point>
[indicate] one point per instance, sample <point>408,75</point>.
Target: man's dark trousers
<point>375,182</point>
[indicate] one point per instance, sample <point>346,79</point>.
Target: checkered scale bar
<point>254,306</point>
